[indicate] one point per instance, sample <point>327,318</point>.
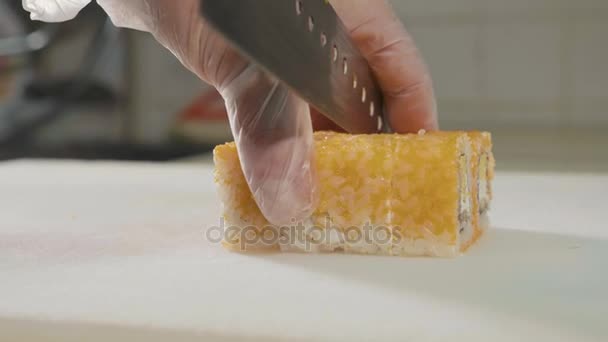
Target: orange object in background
<point>204,121</point>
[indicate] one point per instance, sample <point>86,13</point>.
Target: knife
<point>305,45</point>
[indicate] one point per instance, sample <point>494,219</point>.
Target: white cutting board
<point>117,252</point>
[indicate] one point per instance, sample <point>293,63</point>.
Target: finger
<point>396,62</point>
<point>273,132</point>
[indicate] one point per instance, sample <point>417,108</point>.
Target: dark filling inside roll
<point>484,190</point>
<point>464,211</point>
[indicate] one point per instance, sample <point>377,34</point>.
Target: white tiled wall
<point>461,82</point>
<point>590,81</point>
<point>499,63</point>
<point>523,62</point>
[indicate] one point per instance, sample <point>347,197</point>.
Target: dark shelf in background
<point>118,152</point>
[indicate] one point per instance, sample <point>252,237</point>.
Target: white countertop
<point>100,252</point>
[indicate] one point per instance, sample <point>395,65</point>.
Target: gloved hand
<point>271,126</point>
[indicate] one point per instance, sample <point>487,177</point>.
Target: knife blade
<point>305,45</point>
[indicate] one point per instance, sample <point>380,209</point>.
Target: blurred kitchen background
<point>533,72</point>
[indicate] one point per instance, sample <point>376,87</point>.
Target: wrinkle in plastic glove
<point>272,127</point>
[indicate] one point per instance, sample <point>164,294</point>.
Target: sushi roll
<point>380,194</point>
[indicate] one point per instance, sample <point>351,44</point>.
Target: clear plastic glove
<point>272,127</point>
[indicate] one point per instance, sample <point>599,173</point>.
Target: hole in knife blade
<point>372,108</point>
<point>311,23</point>
<point>323,39</point>
<point>335,53</point>
<point>355,83</point>
<point>380,123</point>
<point>345,66</point>
<point>363,95</point>
<point>299,7</point>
